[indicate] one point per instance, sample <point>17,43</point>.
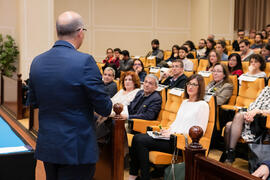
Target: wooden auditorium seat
<point>160,158</point>
<point>151,62</point>
<point>188,73</point>
<point>202,65</point>
<point>100,65</point>
<point>245,65</point>
<point>195,64</point>
<point>248,92</point>
<point>232,100</point>
<point>267,69</point>
<point>167,54</point>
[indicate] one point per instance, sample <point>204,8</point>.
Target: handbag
<point>258,153</point>
<point>175,170</point>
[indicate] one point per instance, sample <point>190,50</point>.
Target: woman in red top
<point>235,64</point>
<point>109,56</point>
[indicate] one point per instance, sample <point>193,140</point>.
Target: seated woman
<point>235,64</point>
<point>221,86</point>
<point>210,45</point>
<point>109,57</point>
<point>242,125</point>
<point>193,111</point>
<point>213,58</point>
<point>266,52</point>
<point>131,85</point>
<point>130,82</point>
<point>191,48</point>
<point>256,66</point>
<point>138,67</point>
<point>175,51</point>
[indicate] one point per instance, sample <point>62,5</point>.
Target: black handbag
<point>258,153</point>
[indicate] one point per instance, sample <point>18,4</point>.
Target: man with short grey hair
<point>67,87</point>
<point>147,102</point>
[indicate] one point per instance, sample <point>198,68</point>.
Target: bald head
<point>68,23</point>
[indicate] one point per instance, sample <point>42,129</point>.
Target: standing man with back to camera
<point>67,87</point>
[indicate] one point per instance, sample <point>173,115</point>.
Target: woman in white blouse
<point>193,111</point>
<point>130,82</point>
<point>256,66</point>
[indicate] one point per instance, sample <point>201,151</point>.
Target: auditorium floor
<point>214,154</point>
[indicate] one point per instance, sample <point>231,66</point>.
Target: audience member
<point>246,52</point>
<point>242,125</point>
<point>130,82</point>
<point>252,34</point>
<point>156,52</point>
<point>201,48</point>
<point>221,85</point>
<point>213,58</point>
<point>256,66</point>
<point>178,78</point>
<point>211,36</point>
<point>114,63</point>
<point>189,55</point>
<point>241,36</point>
<point>126,63</point>
<point>266,52</point>
<point>138,67</point>
<point>221,49</point>
<point>264,34</point>
<point>258,42</point>
<point>175,53</point>
<point>188,65</point>
<point>147,102</point>
<point>109,56</point>
<point>235,64</point>
<point>116,58</point>
<point>210,45</point>
<point>268,28</point>
<point>110,85</point>
<point>193,111</point>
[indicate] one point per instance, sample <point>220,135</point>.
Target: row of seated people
<point>144,115</point>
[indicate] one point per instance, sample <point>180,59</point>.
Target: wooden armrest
<point>229,107</point>
<point>140,125</point>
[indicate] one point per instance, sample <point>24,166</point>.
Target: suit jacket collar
<point>63,43</point>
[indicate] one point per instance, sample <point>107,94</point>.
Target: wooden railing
<point>11,96</point>
<point>199,167</point>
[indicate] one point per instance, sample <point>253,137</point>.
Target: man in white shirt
<point>188,65</point>
<point>245,50</point>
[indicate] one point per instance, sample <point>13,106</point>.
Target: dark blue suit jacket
<point>66,86</point>
<point>149,109</point>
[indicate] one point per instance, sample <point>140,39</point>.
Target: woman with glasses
<point>138,67</point>
<point>221,86</point>
<point>193,111</point>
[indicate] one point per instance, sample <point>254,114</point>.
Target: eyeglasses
<point>192,84</point>
<point>81,29</point>
<point>217,71</point>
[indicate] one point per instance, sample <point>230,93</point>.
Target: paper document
<point>6,150</point>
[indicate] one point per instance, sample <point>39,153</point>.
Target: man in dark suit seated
<point>147,102</point>
<point>178,78</point>
<point>67,87</point>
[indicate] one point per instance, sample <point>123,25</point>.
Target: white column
<point>36,30</point>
